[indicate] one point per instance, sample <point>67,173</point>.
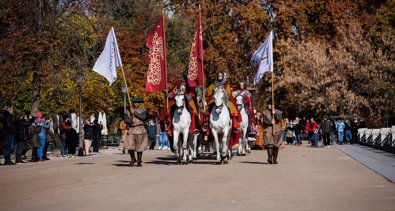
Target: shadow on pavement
<point>123,161</point>
<point>161,162</point>
<point>171,160</point>
<point>121,164</point>
<point>254,162</point>
<point>82,163</point>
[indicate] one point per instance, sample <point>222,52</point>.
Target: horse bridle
<point>240,105</point>
<point>180,108</point>
<point>222,104</point>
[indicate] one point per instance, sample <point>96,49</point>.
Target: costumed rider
<point>247,100</point>
<point>272,131</point>
<point>190,95</point>
<point>234,112</point>
<point>137,139</point>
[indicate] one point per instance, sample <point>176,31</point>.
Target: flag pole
<point>165,59</point>
<point>127,90</point>
<point>200,31</point>
<point>272,98</point>
<point>271,65</point>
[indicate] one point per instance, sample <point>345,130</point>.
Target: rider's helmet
<point>241,86</point>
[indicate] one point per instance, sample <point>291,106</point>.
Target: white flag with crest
<point>109,59</point>
<point>264,56</point>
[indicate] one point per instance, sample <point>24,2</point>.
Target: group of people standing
<point>36,132</point>
<point>22,133</point>
<point>343,130</point>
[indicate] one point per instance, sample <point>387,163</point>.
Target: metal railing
<point>110,140</point>
<point>383,138</point>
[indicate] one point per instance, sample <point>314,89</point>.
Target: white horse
<point>243,145</point>
<point>220,124</point>
<point>181,122</point>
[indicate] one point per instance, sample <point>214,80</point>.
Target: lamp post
<point>386,108</point>
<point>124,97</point>
<point>80,80</point>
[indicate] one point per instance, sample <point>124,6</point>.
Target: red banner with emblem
<point>195,69</point>
<point>157,68</point>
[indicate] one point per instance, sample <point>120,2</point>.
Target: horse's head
<point>239,101</point>
<point>180,99</point>
<point>219,98</point>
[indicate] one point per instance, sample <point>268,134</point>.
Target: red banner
<point>157,70</point>
<point>195,69</point>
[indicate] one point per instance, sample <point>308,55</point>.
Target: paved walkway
<point>305,179</point>
<point>379,161</point>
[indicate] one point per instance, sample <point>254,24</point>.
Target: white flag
<point>264,56</point>
<point>109,59</point>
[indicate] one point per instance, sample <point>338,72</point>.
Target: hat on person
<point>39,115</point>
<point>137,100</point>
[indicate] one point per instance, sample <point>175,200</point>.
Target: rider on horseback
<point>247,100</point>
<point>234,112</point>
<point>190,95</point>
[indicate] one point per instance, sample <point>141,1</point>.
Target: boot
<point>132,158</point>
<point>270,154</point>
<point>275,154</point>
<point>139,156</point>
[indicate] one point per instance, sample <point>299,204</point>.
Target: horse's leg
<point>175,145</point>
<point>230,155</point>
<point>239,147</point>
<point>194,146</point>
<point>225,146</point>
<point>244,141</point>
<point>185,144</point>
<point>190,146</point>
<point>216,141</point>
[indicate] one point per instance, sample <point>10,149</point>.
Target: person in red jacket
<point>63,129</point>
<point>311,127</point>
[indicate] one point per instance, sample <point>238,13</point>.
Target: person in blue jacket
<point>39,121</point>
<point>340,131</point>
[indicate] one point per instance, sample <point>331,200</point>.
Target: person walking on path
<point>151,130</point>
<point>71,140</point>
<point>347,129</point>
<point>9,131</point>
<point>22,136</point>
<point>88,137</point>
<point>63,129</point>
<point>272,132</point>
<point>311,129</point>
<point>39,121</point>
<point>340,131</point>
<point>137,139</point>
<point>96,131</point>
<point>289,133</point>
<point>316,134</point>
<point>326,131</point>
<point>49,138</point>
<point>298,128</point>
<point>354,131</point>
<point>163,139</point>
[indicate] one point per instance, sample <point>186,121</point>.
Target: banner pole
<point>165,59</point>
<point>127,90</point>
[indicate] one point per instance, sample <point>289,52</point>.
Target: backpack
<point>29,133</point>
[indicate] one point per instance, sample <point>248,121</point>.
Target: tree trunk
<point>36,76</point>
<point>36,94</point>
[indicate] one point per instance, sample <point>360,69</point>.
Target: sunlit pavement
<point>305,179</point>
